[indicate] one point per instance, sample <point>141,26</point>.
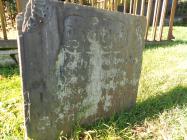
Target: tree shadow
<point>164,44</point>
<point>153,106</point>
<point>149,108</point>
<point>8,71</point>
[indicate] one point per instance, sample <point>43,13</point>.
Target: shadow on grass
<point>8,71</point>
<point>153,106</point>
<point>147,109</point>
<point>165,44</point>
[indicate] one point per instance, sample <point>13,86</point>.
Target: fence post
<point>148,16</point>
<point>18,6</point>
<point>172,15</point>
<point>3,20</point>
<point>81,2</point>
<point>131,7</point>
<point>156,17</point>
<point>134,6</point>
<point>105,4</point>
<point>142,7</point>
<point>163,13</point>
<point>115,5</point>
<point>125,6</point>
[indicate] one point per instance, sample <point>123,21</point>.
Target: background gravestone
<point>78,64</point>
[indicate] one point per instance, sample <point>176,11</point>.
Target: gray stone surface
<point>78,64</point>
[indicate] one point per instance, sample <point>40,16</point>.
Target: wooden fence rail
<point>154,10</point>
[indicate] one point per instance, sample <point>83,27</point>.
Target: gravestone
<point>78,64</point>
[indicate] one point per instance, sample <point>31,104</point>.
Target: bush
<point>10,9</point>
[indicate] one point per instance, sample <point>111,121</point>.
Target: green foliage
<point>10,8</point>
<point>10,5</point>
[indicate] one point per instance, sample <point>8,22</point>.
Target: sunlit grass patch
<point>11,102</point>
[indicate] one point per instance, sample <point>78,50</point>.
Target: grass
<point>11,112</point>
<point>160,112</point>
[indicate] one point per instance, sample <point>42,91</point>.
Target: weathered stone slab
<point>79,64</point>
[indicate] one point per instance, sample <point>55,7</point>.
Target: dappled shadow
<point>149,108</point>
<point>165,44</point>
<point>8,71</point>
